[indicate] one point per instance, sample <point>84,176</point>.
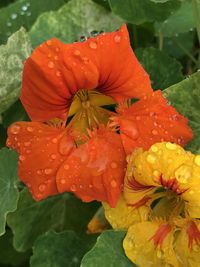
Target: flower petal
<point>56,71</point>
<point>188,245</point>
<point>152,120</point>
<point>95,170</point>
<point>42,150</point>
<point>140,247</point>
<point>124,215</point>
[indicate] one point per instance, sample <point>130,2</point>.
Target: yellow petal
<point>123,215</point>
<point>140,249</point>
<point>187,257</point>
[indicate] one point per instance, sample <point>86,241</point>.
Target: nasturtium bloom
<point>57,73</point>
<point>151,120</point>
<point>50,161</point>
<point>166,169</point>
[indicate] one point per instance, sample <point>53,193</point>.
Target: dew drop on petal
<point>49,42</point>
<point>29,129</point>
<point>66,167</point>
<point>77,52</point>
<point>51,64</point>
<point>42,187</point>
<point>151,158</point>
<point>15,129</point>
<point>58,74</point>
<point>154,132</point>
<point>48,171</point>
<point>117,38</point>
<point>39,172</point>
<point>138,118</point>
<point>73,188</point>
<point>171,146</point>
<point>22,158</point>
<point>113,165</point>
<point>93,45</point>
<point>113,183</point>
<point>154,148</point>
<point>53,156</point>
<point>62,181</point>
<point>54,140</point>
<point>197,160</point>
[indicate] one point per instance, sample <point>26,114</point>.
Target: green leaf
<point>23,13</point>
<point>15,113</point>
<point>60,212</point>
<point>108,251</point>
<point>185,97</point>
<point>9,255</point>
<point>138,12</point>
<point>12,55</point>
<point>182,20</point>
<point>76,18</point>
<point>58,250</point>
<point>163,69</point>
<point>8,189</point>
<point>179,46</point>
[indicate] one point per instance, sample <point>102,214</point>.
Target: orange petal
<point>56,71</point>
<point>152,120</point>
<point>42,150</point>
<point>95,170</point>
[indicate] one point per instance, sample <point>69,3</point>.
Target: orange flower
<point>50,162</point>
<point>56,72</point>
<point>151,120</point>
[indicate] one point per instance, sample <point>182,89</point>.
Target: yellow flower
<point>188,244</point>
<point>150,244</point>
<point>165,170</point>
<point>123,215</point>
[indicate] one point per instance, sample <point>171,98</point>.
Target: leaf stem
<point>196,17</point>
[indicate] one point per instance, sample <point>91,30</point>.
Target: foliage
<point>164,37</point>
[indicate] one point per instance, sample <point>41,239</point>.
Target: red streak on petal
<point>172,185</point>
<point>193,234</point>
<point>140,203</point>
<point>136,186</point>
<point>160,234</point>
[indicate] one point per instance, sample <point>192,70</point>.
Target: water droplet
<point>53,156</point>
<point>82,38</point>
<point>22,13</point>
<point>90,185</point>
<point>54,140</point>
<point>77,52</point>
<point>66,145</point>
<point>51,64</point>
<point>56,57</point>
<point>117,38</point>
<point>191,192</point>
<point>156,173</point>
<point>93,45</point>
<point>151,158</point>
<point>22,158</point>
<point>63,181</point>
<point>159,254</point>
<point>113,165</point>
<point>58,74</point>
<point>28,185</point>
<point>66,167</point>
<point>39,172</point>
<point>42,187</point>
<point>154,148</point>
<point>24,8</point>
<point>113,183</point>
<point>138,118</point>
<point>171,146</point>
<point>30,129</point>
<point>154,132</point>
<point>73,188</point>
<point>183,174</point>
<point>94,33</point>
<point>48,171</point>
<point>14,129</point>
<point>49,42</point>
<point>13,16</point>
<point>197,160</point>
<point>9,24</point>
